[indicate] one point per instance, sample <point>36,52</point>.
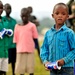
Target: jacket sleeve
<point>71,55</point>
<point>44,51</point>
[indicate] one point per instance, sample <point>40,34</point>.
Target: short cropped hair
<point>61,4</point>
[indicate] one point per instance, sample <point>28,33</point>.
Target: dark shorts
<point>12,55</point>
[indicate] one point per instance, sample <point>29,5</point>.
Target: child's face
<point>60,14</point>
<point>24,16</point>
<point>8,9</point>
<point>1,8</point>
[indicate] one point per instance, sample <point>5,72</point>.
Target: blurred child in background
<point>3,44</point>
<point>23,37</point>
<point>12,47</point>
<point>71,19</point>
<point>34,20</point>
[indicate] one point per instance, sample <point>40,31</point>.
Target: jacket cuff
<point>45,61</point>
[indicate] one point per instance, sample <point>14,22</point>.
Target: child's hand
<point>60,62</point>
<point>46,66</point>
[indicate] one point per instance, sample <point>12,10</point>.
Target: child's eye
<point>56,13</point>
<point>63,13</point>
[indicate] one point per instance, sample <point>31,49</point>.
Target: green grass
<point>39,68</point>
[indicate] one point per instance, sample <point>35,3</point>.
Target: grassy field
<point>39,68</point>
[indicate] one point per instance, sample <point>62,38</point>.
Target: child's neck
<point>8,16</point>
<point>25,23</point>
<point>57,27</point>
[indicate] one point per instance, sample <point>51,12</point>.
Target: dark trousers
<point>63,71</point>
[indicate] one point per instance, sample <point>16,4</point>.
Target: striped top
<point>59,45</point>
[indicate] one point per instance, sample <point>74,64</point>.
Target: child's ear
<point>52,15</point>
<point>67,17</point>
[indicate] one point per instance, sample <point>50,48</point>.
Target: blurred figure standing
<point>71,19</point>
<point>34,20</point>
<point>3,44</point>
<point>69,6</point>
<point>23,37</point>
<point>12,47</point>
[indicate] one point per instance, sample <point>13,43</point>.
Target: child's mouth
<point>59,19</point>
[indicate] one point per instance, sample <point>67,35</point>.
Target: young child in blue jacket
<point>59,43</point>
